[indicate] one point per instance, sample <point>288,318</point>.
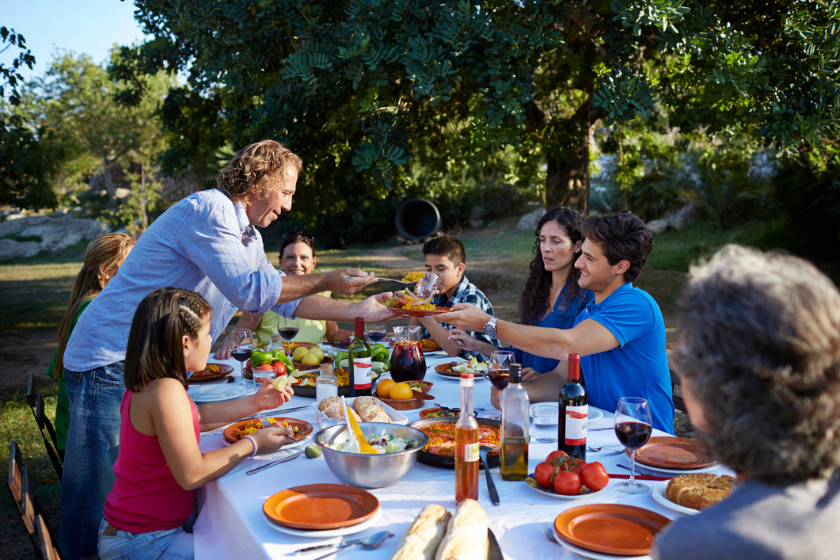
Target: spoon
<point>491,486</point>
<point>369,543</point>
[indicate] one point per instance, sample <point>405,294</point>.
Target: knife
<point>641,477</point>
<point>273,412</point>
<point>271,464</point>
<point>491,486</point>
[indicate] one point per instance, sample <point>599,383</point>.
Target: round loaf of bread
<point>699,491</point>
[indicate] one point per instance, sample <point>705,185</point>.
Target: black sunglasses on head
<point>301,234</point>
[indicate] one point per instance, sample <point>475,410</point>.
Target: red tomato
<point>567,483</point>
<point>279,368</point>
<point>265,367</point>
<point>543,473</point>
<point>595,476</point>
<point>579,466</point>
<point>555,455</point>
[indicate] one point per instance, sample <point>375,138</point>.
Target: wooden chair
<point>51,443</point>
<point>28,507</point>
<point>679,403</point>
<point>30,391</point>
<point>45,540</point>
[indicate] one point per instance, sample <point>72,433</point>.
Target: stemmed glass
<point>498,371</point>
<point>288,329</point>
<point>633,428</point>
<point>241,346</point>
<point>375,331</point>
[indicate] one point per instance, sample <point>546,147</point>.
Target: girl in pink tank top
<point>160,464</point>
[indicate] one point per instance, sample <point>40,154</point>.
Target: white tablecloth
<point>231,523</point>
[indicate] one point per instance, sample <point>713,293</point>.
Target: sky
<point>55,26</point>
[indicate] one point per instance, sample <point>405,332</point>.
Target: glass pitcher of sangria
<point>407,360</point>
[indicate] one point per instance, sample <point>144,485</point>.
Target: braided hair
<point>155,348</point>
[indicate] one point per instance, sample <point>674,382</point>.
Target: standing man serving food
<point>208,243</point>
<point>620,336</point>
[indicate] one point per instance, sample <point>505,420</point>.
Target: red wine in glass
<point>376,335</point>
<point>241,354</point>
<point>633,435</point>
<point>407,362</point>
<point>499,378</point>
<point>288,332</point>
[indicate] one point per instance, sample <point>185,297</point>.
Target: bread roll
<point>423,537</point>
<point>466,534</point>
<point>370,410</point>
<point>338,413</point>
<point>329,402</point>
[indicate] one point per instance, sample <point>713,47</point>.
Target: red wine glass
<point>498,372</point>
<point>375,331</point>
<point>288,329</point>
<point>633,428</point>
<point>241,346</point>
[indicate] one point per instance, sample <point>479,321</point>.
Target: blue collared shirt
<point>203,243</point>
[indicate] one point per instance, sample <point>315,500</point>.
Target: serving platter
<point>418,312</point>
<point>224,370</point>
<point>445,370</point>
<point>610,528</point>
<point>396,417</point>
<point>447,461</point>
<point>304,427</point>
<point>674,453</point>
<point>320,507</point>
<point>659,492</point>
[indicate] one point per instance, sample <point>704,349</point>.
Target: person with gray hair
<point>759,360</point>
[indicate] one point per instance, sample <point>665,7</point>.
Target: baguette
<point>423,537</point>
<point>466,534</point>
<point>370,411</point>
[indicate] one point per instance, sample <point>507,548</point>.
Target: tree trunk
<point>109,184</point>
<point>567,173</point>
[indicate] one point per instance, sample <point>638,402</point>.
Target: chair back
<point>45,540</point>
<point>27,502</point>
<point>676,385</point>
<point>50,442</point>
<point>15,480</point>
<point>30,391</point>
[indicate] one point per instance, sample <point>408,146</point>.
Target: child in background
<point>445,256</point>
<point>103,257</point>
<point>149,511</point>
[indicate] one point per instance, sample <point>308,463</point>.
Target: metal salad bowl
<point>370,471</point>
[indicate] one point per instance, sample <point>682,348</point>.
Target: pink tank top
<point>145,496</point>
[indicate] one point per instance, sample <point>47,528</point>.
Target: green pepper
<point>258,358</point>
<point>280,356</point>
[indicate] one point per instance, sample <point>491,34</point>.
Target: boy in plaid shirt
<point>445,257</point>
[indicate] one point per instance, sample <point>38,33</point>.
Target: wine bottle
<point>571,425</point>
<point>466,445</point>
<point>514,430</point>
<point>359,359</point>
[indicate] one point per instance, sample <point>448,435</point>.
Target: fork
<point>597,449</point>
<point>548,531</point>
<point>263,420</point>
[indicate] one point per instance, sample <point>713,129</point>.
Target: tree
<point>360,86</point>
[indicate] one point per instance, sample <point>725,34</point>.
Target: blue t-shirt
<point>559,318</point>
<point>639,366</point>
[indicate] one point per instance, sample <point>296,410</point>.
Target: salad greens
<point>382,443</point>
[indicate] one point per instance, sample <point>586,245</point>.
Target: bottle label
<point>576,417</point>
<point>362,373</point>
<point>472,452</point>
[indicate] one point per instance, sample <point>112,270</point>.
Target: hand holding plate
<point>465,316</point>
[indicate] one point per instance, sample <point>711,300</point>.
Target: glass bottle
<point>326,385</point>
<point>466,445</point>
<point>573,413</point>
<point>275,343</point>
<point>514,429</point>
<point>359,358</point>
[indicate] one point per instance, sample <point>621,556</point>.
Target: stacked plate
<point>608,531</point>
<point>321,510</point>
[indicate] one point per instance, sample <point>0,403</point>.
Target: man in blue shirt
<point>620,336</point>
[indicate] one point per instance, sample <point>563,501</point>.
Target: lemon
<point>383,388</point>
<point>310,359</point>
<point>280,383</point>
<point>299,353</point>
<point>315,351</point>
<point>401,391</point>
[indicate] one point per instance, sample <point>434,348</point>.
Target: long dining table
<point>231,523</point>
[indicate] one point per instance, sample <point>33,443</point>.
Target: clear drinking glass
<point>241,346</point>
<point>545,422</point>
<point>633,428</point>
<point>426,287</point>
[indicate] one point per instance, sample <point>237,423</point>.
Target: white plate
<point>549,494</point>
<point>217,392</point>
<point>352,530</point>
<point>593,413</point>
<point>625,459</point>
<point>591,554</point>
<point>660,496</point>
<point>476,376</point>
<point>396,417</point>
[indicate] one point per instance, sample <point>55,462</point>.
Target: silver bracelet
<point>254,452</point>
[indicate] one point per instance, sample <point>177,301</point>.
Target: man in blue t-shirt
<point>620,336</point>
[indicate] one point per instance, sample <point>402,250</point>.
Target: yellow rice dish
<point>413,276</point>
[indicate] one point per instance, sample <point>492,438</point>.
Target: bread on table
<point>699,491</point>
<point>329,402</point>
<point>424,535</point>
<point>333,408</point>
<point>466,534</point>
<point>370,410</point>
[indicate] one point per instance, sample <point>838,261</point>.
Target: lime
<point>313,451</point>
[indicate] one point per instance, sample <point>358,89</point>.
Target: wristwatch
<point>490,327</point>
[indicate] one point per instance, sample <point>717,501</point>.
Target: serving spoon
<point>369,543</point>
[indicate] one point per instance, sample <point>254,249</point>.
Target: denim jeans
<point>92,446</point>
<point>171,544</point>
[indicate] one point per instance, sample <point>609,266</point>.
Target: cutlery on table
<point>229,379</point>
<point>277,462</point>
<point>263,420</point>
<point>372,541</point>
<point>548,531</point>
<point>491,486</point>
<point>273,412</point>
<point>597,449</point>
<point>640,477</point>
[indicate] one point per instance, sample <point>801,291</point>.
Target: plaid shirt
<point>466,292</point>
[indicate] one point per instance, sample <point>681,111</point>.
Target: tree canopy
<point>365,89</point>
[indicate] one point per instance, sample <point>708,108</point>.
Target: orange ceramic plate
<point>321,506</point>
<point>674,453</point>
<point>204,375</point>
<point>304,428</point>
<point>446,369</point>
<point>610,528</point>
<point>418,312</point>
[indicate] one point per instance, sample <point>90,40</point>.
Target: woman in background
<point>103,258</point>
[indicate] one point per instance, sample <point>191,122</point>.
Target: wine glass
<point>288,329</point>
<point>633,428</point>
<point>375,331</point>
<point>499,370</point>
<point>241,346</point>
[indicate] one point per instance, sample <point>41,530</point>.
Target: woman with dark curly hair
<point>552,297</point>
<point>759,359</point>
